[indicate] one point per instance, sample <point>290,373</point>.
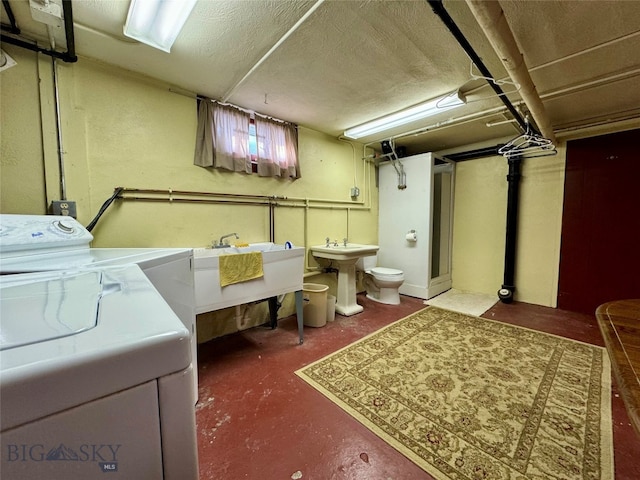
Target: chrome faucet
<point>221,244</point>
<point>328,240</point>
<point>344,240</point>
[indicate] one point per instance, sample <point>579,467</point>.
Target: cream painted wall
<point>479,224</point>
<point>139,135</point>
<point>123,129</point>
<point>540,228</point>
<point>479,227</point>
<point>22,175</point>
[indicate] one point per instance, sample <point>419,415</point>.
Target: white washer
<point>95,376</point>
<point>96,369</point>
<point>37,243</point>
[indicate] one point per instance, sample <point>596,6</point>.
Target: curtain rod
<point>246,110</point>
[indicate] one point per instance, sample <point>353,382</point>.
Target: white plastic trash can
<point>315,304</point>
<point>331,308</point>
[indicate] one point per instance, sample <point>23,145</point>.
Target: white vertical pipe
<point>494,24</point>
<point>63,187</point>
<point>272,49</point>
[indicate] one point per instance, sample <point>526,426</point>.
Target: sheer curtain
<point>277,148</point>
<point>222,137</point>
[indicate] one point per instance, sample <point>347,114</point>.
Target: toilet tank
<point>367,263</point>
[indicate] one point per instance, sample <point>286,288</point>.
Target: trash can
<point>315,304</point>
<point>331,308</point>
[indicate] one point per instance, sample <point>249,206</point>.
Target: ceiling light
<point>411,114</point>
<point>157,22</point>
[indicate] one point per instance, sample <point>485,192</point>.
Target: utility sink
<point>345,257</point>
<point>283,273</point>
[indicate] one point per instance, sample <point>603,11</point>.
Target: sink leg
<point>299,316</point>
<point>273,311</point>
<point>346,303</point>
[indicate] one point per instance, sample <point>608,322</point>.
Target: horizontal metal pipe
<point>70,55</point>
<point>455,121</point>
<point>240,202</point>
<point>266,198</point>
<point>193,200</point>
<point>322,207</point>
<point>200,194</point>
<point>35,48</point>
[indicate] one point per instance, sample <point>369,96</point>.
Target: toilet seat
<point>386,271</point>
<point>387,274</point>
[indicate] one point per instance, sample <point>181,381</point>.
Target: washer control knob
<point>64,228</point>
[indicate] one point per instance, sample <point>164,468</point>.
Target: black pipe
<point>272,222</point>
<point>70,55</point>
<point>104,207</point>
<point>440,11</point>
<point>12,19</point>
<point>513,178</point>
<point>508,287</point>
<point>473,154</point>
<point>67,11</point>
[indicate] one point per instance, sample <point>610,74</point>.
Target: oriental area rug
<point>468,398</point>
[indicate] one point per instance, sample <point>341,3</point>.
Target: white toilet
<point>381,283</point>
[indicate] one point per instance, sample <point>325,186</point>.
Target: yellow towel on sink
<point>240,267</point>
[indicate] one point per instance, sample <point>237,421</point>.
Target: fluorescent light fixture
<point>157,22</point>
<point>411,114</point>
<point>6,61</point>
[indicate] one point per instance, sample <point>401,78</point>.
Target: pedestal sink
<point>345,258</point>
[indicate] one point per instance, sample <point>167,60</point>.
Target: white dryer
<point>95,377</point>
<point>37,243</point>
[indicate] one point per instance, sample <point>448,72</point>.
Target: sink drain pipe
<point>513,192</point>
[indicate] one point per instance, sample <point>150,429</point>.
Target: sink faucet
<point>328,241</point>
<point>221,244</point>
<point>344,240</point>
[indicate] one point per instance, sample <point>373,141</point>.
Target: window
<point>253,142</point>
<point>229,138</point>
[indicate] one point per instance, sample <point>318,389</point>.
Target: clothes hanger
<point>530,144</point>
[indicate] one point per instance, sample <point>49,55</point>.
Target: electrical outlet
<point>64,207</point>
<point>355,192</point>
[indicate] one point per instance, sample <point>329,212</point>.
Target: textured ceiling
<point>353,61</point>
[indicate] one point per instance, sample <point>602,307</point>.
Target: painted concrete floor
<point>257,420</point>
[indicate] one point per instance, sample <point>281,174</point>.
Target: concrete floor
<point>257,420</point>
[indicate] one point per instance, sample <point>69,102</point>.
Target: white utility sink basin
<point>283,273</point>
<point>345,258</point>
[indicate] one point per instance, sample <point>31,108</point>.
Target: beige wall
<point>21,170</point>
<point>123,129</point>
<point>479,227</point>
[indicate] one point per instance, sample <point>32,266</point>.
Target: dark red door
<point>600,250</point>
